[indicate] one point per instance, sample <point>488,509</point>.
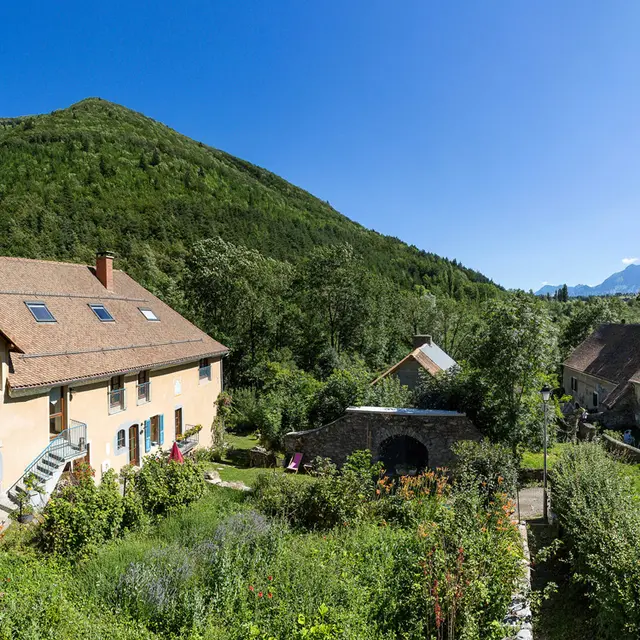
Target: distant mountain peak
<point>622,282</point>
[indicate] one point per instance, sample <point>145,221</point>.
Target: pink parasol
<point>176,454</point>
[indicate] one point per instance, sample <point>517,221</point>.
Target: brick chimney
<point>104,269</point>
<point>418,341</point>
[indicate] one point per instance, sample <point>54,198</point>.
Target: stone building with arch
<point>400,438</point>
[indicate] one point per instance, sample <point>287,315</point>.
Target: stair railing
<point>68,444</point>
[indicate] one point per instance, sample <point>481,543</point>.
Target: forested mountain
<point>100,176</point>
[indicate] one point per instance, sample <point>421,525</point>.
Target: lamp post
<point>545,392</point>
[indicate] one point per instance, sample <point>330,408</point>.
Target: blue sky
<point>504,134</point>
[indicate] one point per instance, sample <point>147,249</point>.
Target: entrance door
<point>134,445</point>
<point>178,422</point>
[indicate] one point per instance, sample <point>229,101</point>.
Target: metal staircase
<point>48,466</point>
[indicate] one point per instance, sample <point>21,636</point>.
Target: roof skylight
<point>40,311</point>
<point>149,314</point>
<point>101,312</point>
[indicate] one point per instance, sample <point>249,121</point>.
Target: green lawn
<point>244,442</point>
<point>535,460</point>
<point>232,473</point>
<point>231,470</point>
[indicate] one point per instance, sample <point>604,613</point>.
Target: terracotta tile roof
<point>421,357</point>
<point>611,353</point>
<point>78,346</point>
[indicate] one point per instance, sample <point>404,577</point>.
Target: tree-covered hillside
<point>99,176</point>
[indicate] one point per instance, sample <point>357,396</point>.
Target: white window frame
<point>149,314</point>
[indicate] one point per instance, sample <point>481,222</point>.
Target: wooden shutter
<point>161,429</point>
<point>147,436</point>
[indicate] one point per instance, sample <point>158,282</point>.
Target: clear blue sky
<point>505,134</point>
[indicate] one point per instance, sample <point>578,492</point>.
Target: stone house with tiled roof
<point>426,357</point>
<point>95,367</point>
<point>603,374</point>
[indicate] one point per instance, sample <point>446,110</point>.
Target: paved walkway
<point>530,503</point>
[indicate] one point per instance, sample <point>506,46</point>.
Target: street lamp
<point>545,392</point>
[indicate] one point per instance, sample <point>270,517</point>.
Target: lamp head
<point>545,392</point>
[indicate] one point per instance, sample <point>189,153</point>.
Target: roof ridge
<point>53,261</point>
<point>44,261</point>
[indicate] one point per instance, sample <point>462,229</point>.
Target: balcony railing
<point>190,442</point>
<point>205,373</point>
<point>117,400</point>
<point>143,393</point>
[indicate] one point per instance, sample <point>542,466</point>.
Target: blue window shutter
<point>147,436</point>
<point>161,429</point>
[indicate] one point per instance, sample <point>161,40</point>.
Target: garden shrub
<point>166,485</point>
<point>81,515</point>
<point>322,466</point>
<point>616,435</point>
<point>324,502</point>
<point>601,524</point>
<point>492,467</point>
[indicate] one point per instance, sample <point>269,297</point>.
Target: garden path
<point>530,503</point>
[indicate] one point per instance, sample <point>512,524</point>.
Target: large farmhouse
<point>94,367</point>
<point>603,374</point>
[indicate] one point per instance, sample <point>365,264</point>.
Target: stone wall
<point>369,427</point>
<point>587,431</point>
<point>621,450</point>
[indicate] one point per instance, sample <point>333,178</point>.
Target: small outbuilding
<point>426,356</point>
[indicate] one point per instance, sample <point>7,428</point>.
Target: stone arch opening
<point>403,455</point>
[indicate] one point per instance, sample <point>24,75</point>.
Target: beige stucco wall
<point>24,427</point>
<point>586,386</point>
<point>24,422</point>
